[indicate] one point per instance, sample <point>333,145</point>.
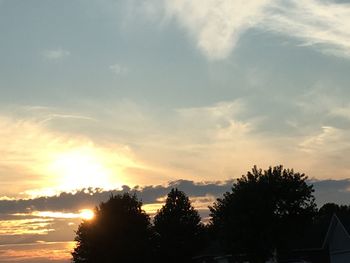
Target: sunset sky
<point>118,94</point>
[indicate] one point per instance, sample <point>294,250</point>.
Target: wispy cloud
<point>44,157</point>
<point>26,226</point>
<point>327,140</point>
<point>118,69</point>
<point>42,252</point>
<point>55,54</point>
<point>142,147</point>
<point>216,26</point>
<point>322,24</point>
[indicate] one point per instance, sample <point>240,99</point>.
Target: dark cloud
<point>325,191</point>
<point>91,197</point>
<point>63,229</point>
<point>332,191</point>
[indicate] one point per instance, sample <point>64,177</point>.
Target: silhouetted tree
<point>329,209</point>
<point>263,211</point>
<point>178,226</point>
<point>119,232</point>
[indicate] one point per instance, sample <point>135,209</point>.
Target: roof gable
<point>337,237</point>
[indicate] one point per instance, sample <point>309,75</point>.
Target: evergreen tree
<point>178,226</point>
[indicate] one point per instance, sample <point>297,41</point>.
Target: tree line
<point>261,215</point>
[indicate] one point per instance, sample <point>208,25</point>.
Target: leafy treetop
<point>263,211</point>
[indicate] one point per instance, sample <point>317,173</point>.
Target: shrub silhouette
<point>119,232</point>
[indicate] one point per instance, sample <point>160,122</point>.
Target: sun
<point>87,214</point>
<point>81,168</point>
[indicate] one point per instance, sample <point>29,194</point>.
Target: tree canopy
<point>178,226</point>
<point>329,209</point>
<point>263,211</point>
<point>119,232</point>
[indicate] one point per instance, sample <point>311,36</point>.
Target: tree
<point>119,232</point>
<point>264,210</point>
<point>178,226</point>
<point>329,209</point>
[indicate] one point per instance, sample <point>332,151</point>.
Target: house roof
<point>345,220</point>
<point>316,236</point>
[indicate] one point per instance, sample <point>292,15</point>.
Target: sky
<point>143,95</point>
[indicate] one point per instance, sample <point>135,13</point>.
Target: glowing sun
<point>87,214</point>
<point>81,168</point>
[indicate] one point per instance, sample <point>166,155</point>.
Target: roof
<point>316,236</point>
<point>345,220</point>
<point>313,238</point>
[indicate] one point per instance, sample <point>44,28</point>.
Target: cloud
<point>55,54</point>
<point>118,69</point>
<point>89,198</point>
<point>219,121</point>
<point>53,218</point>
<point>326,140</point>
<point>179,144</point>
<point>322,24</point>
<point>43,252</point>
<point>36,150</point>
<point>341,111</point>
<point>332,191</point>
<point>144,147</point>
<point>216,26</point>
<point>326,151</point>
<point>199,192</point>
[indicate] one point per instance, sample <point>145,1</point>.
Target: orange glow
<point>37,226</point>
<point>152,208</point>
<point>87,214</point>
<point>81,167</point>
<point>37,252</point>
<point>51,214</point>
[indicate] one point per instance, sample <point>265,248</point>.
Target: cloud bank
<point>337,191</point>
